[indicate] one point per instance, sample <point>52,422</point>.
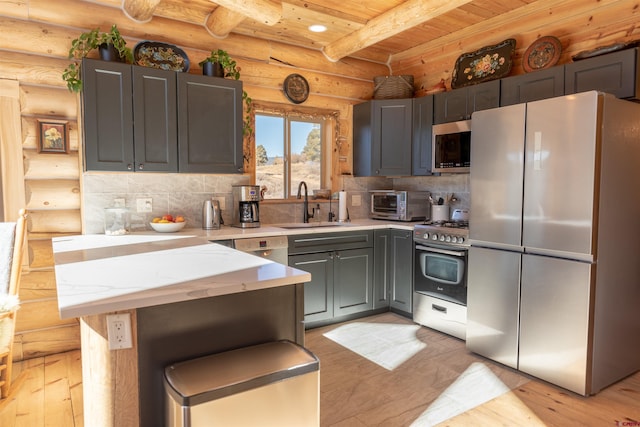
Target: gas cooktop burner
<point>449,224</point>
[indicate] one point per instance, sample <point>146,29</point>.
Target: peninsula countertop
<point>98,274</point>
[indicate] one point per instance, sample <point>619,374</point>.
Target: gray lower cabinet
<point>382,132</point>
<point>459,104</point>
<point>542,84</point>
<point>341,267</point>
<point>615,73</point>
<point>149,120</point>
<point>393,264</point>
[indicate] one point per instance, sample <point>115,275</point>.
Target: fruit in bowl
<point>168,223</point>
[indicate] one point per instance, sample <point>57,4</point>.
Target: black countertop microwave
<point>452,147</point>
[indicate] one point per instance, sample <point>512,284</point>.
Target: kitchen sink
<point>306,224</point>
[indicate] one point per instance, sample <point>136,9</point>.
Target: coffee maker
<point>246,210</point>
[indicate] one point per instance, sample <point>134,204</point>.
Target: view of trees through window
<point>288,150</point>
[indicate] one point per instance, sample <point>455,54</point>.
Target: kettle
<point>211,215</point>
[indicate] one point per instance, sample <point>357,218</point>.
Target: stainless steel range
<point>440,276</point>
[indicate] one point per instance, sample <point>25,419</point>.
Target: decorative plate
<point>488,63</point>
<point>603,49</point>
<point>296,88</point>
<point>161,55</point>
<point>543,53</point>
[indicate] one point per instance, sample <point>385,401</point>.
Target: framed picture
<point>53,136</point>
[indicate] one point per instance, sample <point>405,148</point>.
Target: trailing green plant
<point>230,69</point>
<point>87,42</point>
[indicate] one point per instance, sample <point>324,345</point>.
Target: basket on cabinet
<point>393,87</point>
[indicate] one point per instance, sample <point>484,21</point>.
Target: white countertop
<point>98,274</point>
<point>136,271</point>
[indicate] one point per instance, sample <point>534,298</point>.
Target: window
<point>289,149</point>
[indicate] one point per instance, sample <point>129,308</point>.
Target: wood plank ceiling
<point>369,29</point>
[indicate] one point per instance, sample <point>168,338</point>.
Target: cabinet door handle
<point>129,166</point>
<point>141,166</point>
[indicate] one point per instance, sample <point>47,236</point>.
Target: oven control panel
<point>442,235</point>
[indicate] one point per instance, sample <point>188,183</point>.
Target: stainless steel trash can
<point>271,384</point>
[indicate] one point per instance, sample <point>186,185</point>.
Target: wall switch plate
<point>119,331</point>
<point>356,200</point>
<point>144,205</point>
<point>221,202</point>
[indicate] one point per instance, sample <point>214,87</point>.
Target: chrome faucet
<point>305,206</point>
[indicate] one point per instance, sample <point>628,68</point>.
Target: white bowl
<point>167,227</point>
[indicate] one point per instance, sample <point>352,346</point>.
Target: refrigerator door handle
<point>588,258</point>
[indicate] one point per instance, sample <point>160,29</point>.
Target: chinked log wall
<point>36,36</point>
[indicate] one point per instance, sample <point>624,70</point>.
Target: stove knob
<point>434,236</point>
<point>460,239</point>
<point>426,236</point>
<point>442,238</point>
<point>448,239</point>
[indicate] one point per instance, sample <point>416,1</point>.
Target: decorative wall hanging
<point>161,55</point>
<point>488,63</point>
<point>601,50</point>
<point>543,53</point>
<point>296,88</point>
<point>53,136</point>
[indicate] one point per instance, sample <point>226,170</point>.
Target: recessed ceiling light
<point>317,28</point>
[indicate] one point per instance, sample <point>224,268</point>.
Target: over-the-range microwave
<point>399,205</point>
<point>451,148</point>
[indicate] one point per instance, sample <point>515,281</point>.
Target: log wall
<point>36,36</point>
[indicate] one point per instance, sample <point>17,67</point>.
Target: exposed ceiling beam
<point>264,11</point>
<point>394,21</point>
<point>222,21</point>
<point>140,10</point>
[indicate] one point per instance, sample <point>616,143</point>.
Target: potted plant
<point>220,64</point>
<point>111,45</point>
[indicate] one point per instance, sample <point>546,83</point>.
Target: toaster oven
<point>399,205</point>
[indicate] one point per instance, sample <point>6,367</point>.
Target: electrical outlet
<point>220,201</point>
<point>356,200</point>
<point>144,205</point>
<point>118,203</point>
<point>119,331</point>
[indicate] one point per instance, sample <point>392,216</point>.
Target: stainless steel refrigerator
<point>554,268</point>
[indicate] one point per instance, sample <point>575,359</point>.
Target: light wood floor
<point>356,392</point>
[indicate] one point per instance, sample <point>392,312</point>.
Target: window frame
<point>290,190</point>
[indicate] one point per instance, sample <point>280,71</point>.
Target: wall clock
<point>296,88</point>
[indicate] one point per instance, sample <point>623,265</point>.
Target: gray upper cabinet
<point>459,104</point>
<point>382,138</point>
<point>422,135</point>
<point>154,111</point>
<point>210,124</point>
<point>145,119</point>
<point>541,84</point>
<point>108,115</point>
<point>615,73</point>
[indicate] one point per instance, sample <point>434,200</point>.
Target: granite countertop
<point>98,274</point>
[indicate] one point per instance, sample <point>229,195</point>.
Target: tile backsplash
<point>185,193</point>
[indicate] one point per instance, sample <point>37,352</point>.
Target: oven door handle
<point>439,251</point>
